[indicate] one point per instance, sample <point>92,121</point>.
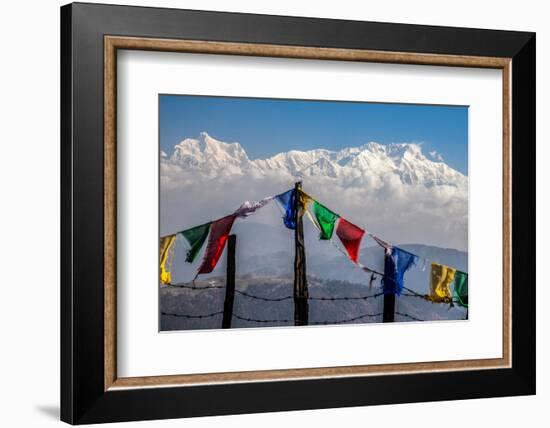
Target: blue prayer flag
<point>288,202</point>
<point>396,263</point>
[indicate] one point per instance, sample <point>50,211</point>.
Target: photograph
<point>297,212</point>
<point>277,209</point>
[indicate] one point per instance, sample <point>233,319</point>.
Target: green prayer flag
<point>325,219</point>
<point>461,288</point>
<point>196,238</point>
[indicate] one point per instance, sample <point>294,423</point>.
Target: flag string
<point>350,235</point>
<point>378,240</point>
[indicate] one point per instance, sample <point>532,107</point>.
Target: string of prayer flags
<point>166,257</point>
<point>461,288</point>
<point>440,282</point>
<point>219,232</point>
<point>288,202</point>
<point>295,203</point>
<point>325,220</point>
<point>396,263</point>
<point>196,238</point>
<point>350,235</point>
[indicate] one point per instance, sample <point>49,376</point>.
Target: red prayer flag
<point>219,232</point>
<point>351,237</point>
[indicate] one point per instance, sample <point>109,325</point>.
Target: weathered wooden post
<point>301,295</point>
<point>229,283</point>
<point>389,308</point>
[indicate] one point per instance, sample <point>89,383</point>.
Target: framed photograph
<point>316,212</point>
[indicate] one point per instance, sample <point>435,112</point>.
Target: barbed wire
<point>370,296</point>
<point>427,298</point>
<point>408,316</point>
<point>272,321</point>
<point>257,320</point>
<point>279,299</point>
<point>266,299</point>
<point>347,319</point>
<point>192,316</point>
<point>411,293</point>
<point>342,321</point>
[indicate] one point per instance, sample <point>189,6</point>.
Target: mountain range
<point>406,161</point>
<point>393,190</point>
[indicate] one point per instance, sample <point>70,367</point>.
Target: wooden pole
<point>389,299</point>
<point>301,295</point>
<point>389,308</point>
<point>229,283</point>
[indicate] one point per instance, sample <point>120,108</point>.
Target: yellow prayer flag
<point>304,199</point>
<point>166,256</point>
<point>440,283</point>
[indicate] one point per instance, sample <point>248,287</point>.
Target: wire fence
<point>407,293</point>
<point>401,314</point>
<point>278,321</point>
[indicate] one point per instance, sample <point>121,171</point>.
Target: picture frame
<point>91,391</point>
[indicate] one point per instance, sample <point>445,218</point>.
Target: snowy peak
<point>207,152</point>
<point>404,160</point>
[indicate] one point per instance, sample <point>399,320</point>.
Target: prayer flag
<point>166,257</point>
<point>461,288</point>
<point>196,238</point>
<point>396,263</point>
<point>303,200</point>
<point>288,202</point>
<point>247,208</point>
<point>325,219</point>
<point>219,232</point>
<point>351,237</point>
<point>440,283</point>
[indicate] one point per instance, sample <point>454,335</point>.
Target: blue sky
<point>265,127</point>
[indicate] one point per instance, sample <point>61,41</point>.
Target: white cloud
<point>435,155</point>
<point>397,212</point>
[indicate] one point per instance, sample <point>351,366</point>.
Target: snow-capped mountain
<point>394,190</point>
<point>406,161</point>
<point>208,154</point>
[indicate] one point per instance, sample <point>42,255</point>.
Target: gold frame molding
<point>113,43</point>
